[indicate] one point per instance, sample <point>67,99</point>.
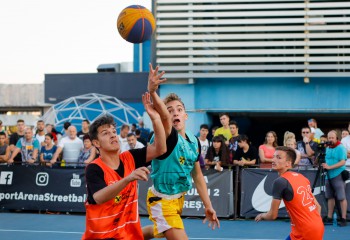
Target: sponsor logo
<point>75,181</point>
<point>6,178</point>
<point>42,179</point>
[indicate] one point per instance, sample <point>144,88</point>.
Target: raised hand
<point>146,100</point>
<point>210,216</point>
<point>139,174</point>
<point>154,79</point>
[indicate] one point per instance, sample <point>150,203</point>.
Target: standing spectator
<point>85,124</point>
<point>204,142</point>
<point>346,142</point>
<point>123,140</point>
<point>312,136</point>
<point>28,146</point>
<point>218,154</point>
<point>246,155</point>
<point>295,191</point>
<point>233,141</point>
<point>344,133</point>
<point>335,185</point>
<point>313,124</point>
<point>47,152</point>
<point>307,149</point>
<point>133,128</point>
<point>132,142</point>
<point>66,125</point>
<point>225,129</point>
<point>50,129</point>
<point>267,150</point>
<point>293,144</point>
<point>4,148</point>
<point>71,146</point>
<point>145,132</point>
<point>138,137</point>
<point>88,153</point>
<point>40,132</point>
<point>15,137</point>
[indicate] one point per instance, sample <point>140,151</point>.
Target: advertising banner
<point>220,191</point>
<point>42,188</point>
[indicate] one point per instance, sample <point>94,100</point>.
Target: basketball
<point>136,24</point>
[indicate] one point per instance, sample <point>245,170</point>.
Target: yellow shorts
<point>164,213</point>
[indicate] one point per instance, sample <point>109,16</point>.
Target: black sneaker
<point>327,221</point>
<point>342,222</point>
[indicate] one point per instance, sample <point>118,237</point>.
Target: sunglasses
<point>305,132</point>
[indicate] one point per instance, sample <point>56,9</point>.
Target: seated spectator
<point>48,150</point>
<point>28,146</point>
<point>132,142</point>
<point>307,149</point>
<point>246,154</point>
<point>313,124</point>
<point>218,154</point>
<point>88,153</point>
<point>267,150</point>
<point>288,135</point>
<point>85,124</point>
<point>344,133</point>
<point>293,144</point>
<point>70,146</point>
<point>139,138</point>
<point>225,129</point>
<point>4,149</point>
<point>233,141</point>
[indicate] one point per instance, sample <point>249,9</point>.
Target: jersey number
<point>307,195</point>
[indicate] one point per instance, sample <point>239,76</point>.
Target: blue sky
<point>66,36</point>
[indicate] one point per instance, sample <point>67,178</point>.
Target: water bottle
<point>335,222</point>
<point>63,163</point>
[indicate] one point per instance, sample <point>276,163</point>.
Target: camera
<point>322,146</point>
<point>321,149</point>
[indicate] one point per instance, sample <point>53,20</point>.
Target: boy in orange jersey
<point>112,202</point>
<point>295,190</point>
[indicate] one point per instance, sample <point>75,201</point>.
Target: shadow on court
<point>32,226</point>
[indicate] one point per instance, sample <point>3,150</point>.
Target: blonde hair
<point>290,140</point>
<point>173,97</point>
<point>288,135</point>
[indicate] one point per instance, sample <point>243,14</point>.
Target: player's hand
<point>210,216</point>
<point>139,174</point>
<point>259,217</point>
<point>146,100</point>
<point>154,79</point>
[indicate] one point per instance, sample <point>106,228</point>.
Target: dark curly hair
<point>103,120</point>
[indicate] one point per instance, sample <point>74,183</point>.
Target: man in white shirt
<point>40,132</point>
<point>203,133</point>
<point>124,130</point>
<point>132,142</point>
<point>71,146</point>
<point>346,142</point>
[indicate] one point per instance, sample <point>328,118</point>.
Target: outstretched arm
<point>154,80</point>
<point>158,147</point>
<point>272,213</point>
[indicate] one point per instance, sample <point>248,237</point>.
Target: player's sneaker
<point>342,222</point>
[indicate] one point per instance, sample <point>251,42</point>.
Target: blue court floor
<point>36,226</point>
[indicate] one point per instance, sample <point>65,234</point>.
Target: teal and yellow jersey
<point>172,174</point>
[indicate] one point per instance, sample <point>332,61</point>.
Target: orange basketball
<point>136,24</point>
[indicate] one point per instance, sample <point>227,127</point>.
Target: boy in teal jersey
<point>172,172</point>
